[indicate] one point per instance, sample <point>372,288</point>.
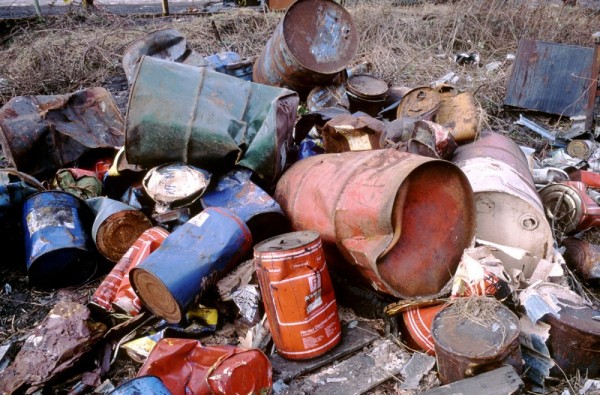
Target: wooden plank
<point>357,374</point>
<point>353,339</point>
<point>501,381</point>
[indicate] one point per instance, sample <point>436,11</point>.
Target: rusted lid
<point>420,103</point>
<point>321,35</point>
<point>475,328</point>
<point>245,372</point>
<point>578,317</point>
<point>155,295</point>
<point>287,241</point>
<point>367,86</point>
<point>119,231</point>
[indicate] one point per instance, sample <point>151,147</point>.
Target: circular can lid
<point>287,242</point>
<point>366,86</point>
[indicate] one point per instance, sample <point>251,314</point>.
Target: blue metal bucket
<point>58,249</point>
<point>255,207</point>
<point>190,259</point>
<point>145,385</point>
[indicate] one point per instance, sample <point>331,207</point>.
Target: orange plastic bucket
<point>298,295</point>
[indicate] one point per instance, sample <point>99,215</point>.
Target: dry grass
<point>408,45</point>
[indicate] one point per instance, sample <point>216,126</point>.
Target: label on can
<point>45,217</point>
<point>199,219</point>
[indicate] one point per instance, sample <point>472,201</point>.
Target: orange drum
<point>298,295</point>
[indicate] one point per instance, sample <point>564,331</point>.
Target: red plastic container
<point>298,295</point>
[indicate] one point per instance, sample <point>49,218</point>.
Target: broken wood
<point>501,381</point>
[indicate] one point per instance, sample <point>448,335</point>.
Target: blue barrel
<point>255,207</point>
<point>58,249</point>
<point>190,259</point>
<point>145,385</point>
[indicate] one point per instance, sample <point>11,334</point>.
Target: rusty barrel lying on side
<point>583,257</point>
<point>509,209</point>
<point>298,294</point>
<point>400,219</point>
<point>315,40</point>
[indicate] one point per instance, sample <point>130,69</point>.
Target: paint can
<point>115,290</point>
<point>147,385</point>
<point>301,61</point>
<point>467,345</point>
<point>569,207</point>
<point>366,93</point>
<point>116,226</point>
<point>298,295</point>
<point>58,248</point>
<point>189,260</point>
<point>581,149</point>
<point>575,340</point>
<point>383,210</point>
<point>509,209</point>
<point>236,192</point>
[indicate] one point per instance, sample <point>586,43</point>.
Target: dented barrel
<point>170,279</point>
<point>58,248</point>
<point>149,385</point>
<point>383,210</point>
<point>509,209</point>
<point>315,40</point>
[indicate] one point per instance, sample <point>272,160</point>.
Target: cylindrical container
<point>509,209</point>
<point>366,93</point>
<point>187,367</point>
<point>58,249</point>
<point>236,192</point>
<point>418,326</point>
<point>575,340</point>
<point>581,149</point>
<point>460,114</point>
<point>383,210</point>
<point>468,344</point>
<point>194,255</point>
<point>146,385</point>
<point>321,97</point>
<point>421,103</point>
<point>116,227</point>
<point>117,285</point>
<point>569,207</point>
<point>583,257</point>
<point>301,61</point>
<point>298,295</point>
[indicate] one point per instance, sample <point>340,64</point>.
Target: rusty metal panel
<point>553,78</point>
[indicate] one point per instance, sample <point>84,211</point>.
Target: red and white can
<point>297,293</point>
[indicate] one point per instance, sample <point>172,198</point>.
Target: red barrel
<point>298,295</point>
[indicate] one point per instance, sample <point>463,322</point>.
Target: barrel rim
<point>133,281</point>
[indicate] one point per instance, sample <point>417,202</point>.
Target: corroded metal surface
<point>583,257</point>
<point>314,41</point>
<point>509,209</point>
<point>298,294</point>
<point>421,103</point>
<point>468,345</point>
<point>568,206</point>
<point>383,210</point>
<point>41,134</point>
<point>460,114</point>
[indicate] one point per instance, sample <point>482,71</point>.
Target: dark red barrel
<point>298,295</point>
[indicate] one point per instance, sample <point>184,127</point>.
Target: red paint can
<point>298,295</point>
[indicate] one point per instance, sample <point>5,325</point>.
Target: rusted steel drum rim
<point>294,25</point>
<point>146,284</point>
<point>119,231</point>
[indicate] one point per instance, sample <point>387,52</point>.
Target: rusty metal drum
<point>298,294</point>
<point>468,344</point>
<point>383,210</point>
<point>315,40</point>
<point>583,257</point>
<point>421,103</point>
<point>509,209</point>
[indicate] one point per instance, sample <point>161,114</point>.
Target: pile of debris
<point>252,197</point>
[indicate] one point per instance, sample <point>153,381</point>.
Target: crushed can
<point>298,294</point>
<point>58,248</point>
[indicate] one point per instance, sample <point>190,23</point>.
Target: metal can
<point>189,260</point>
<point>298,294</point>
<point>147,385</point>
<point>583,257</point>
<point>58,248</point>
<point>468,344</point>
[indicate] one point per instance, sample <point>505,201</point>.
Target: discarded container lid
<point>146,385</point>
<point>298,294</point>
<point>468,342</point>
<point>59,251</point>
<point>581,149</point>
<point>176,184</point>
<point>116,227</point>
<point>366,86</point>
<point>421,103</point>
<point>575,339</point>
